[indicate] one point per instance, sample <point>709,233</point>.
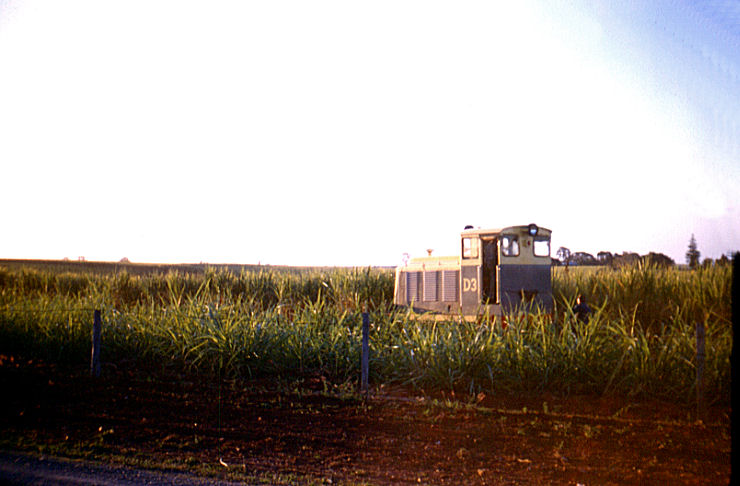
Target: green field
<point>295,323</point>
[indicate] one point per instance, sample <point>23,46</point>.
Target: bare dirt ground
<point>276,434</point>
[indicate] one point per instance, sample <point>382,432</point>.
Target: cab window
<point>542,247</point>
<point>470,247</point>
<point>509,245</point>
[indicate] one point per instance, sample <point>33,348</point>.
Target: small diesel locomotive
<point>498,272</point>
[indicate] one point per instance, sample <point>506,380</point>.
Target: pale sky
<point>350,133</point>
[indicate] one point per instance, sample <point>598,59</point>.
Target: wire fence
<point>208,338</point>
<point>234,341</point>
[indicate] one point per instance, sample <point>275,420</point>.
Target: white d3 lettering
<point>470,285</point>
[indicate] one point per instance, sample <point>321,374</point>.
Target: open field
<point>282,347</point>
<point>270,322</point>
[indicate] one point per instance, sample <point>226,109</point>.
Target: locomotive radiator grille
<point>430,286</point>
<point>412,287</point>
<point>450,285</point>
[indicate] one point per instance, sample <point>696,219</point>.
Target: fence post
<point>95,358</point>
<point>365,353</point>
<point>700,357</point>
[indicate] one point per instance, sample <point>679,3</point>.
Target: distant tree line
<point>604,258</point>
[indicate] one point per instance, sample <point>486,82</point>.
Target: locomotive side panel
<point>470,288</point>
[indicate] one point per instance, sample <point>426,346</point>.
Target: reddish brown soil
<point>259,430</point>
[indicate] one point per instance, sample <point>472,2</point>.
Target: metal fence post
<point>95,359</point>
<point>700,358</point>
<point>365,353</point>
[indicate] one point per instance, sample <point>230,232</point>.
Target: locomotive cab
<point>498,271</point>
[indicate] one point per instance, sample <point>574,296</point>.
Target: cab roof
<point>521,229</point>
